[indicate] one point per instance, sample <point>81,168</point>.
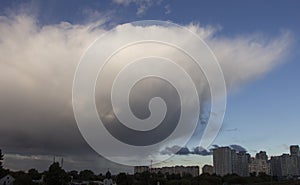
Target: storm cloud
<point>37,67</point>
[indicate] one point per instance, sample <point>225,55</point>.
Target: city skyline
<point>228,161</point>
<point>222,154</point>
<point>41,43</point>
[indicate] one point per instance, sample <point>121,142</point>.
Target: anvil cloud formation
<point>37,67</point>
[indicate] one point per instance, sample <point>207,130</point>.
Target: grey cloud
<point>231,129</point>
<point>38,63</point>
<point>168,9</point>
<point>215,146</point>
<point>202,151</point>
<point>41,162</point>
<point>142,5</point>
<point>238,148</point>
<point>197,150</point>
<point>175,149</point>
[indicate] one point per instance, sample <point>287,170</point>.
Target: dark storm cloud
<point>37,66</point>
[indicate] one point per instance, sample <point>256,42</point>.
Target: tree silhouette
<point>56,175</point>
<point>87,175</point>
<point>1,159</point>
<point>23,179</point>
<point>2,171</point>
<point>74,174</point>
<point>34,174</point>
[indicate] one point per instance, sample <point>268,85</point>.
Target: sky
<point>256,43</point>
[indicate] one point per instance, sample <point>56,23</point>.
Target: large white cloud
<point>38,63</point>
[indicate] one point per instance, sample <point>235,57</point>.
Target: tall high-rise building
<point>295,160</point>
<point>294,150</point>
<point>262,155</point>
<point>286,165</point>
<point>294,165</point>
<point>222,160</point>
<point>240,163</point>
<point>275,163</point>
<point>258,165</point>
<point>228,161</point>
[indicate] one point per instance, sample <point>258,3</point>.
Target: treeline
<point>147,178</point>
<point>55,175</point>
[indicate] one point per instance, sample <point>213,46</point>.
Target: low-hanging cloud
<point>198,150</point>
<point>38,63</point>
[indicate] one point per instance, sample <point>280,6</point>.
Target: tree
<point>87,175</point>
<point>23,179</point>
<point>34,174</point>
<point>100,177</point>
<point>185,182</point>
<point>56,175</point>
<point>121,178</point>
<point>74,174</point>
<point>2,171</point>
<point>124,179</point>
<point>1,159</point>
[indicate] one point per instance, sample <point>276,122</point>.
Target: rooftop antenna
<point>62,162</point>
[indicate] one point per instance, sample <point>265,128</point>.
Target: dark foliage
<point>56,175</point>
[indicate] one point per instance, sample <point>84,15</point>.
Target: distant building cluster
<point>260,164</point>
<point>228,161</point>
<point>286,164</point>
<point>180,170</point>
